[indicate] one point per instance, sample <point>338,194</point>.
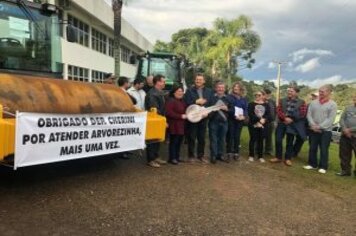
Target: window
<point>111,47</point>
<point>77,73</point>
<point>98,41</point>
<point>125,54</point>
<point>97,76</point>
<point>82,30</point>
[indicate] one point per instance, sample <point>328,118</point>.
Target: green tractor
<point>171,66</point>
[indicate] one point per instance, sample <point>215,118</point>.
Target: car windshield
<point>29,40</point>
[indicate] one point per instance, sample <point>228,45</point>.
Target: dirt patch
<point>110,196</point>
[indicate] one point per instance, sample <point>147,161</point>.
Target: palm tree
<point>117,9</point>
<point>230,42</point>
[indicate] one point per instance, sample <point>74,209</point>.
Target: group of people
<point>225,114</point>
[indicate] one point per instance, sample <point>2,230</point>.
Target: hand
<point>204,114</point>
<point>263,121</point>
<point>184,116</point>
<point>347,132</point>
<point>167,125</point>
<point>224,108</point>
<point>201,101</point>
<point>240,117</point>
<point>288,121</point>
<point>315,128</point>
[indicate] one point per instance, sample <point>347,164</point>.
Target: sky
<point>315,39</point>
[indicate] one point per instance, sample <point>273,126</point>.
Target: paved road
<point>110,196</point>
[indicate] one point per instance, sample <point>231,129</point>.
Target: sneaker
<point>225,159</point>
<point>262,160</point>
<point>288,162</point>
<point>203,160</point>
<point>309,167</point>
<point>343,173</point>
<point>191,160</point>
<point>173,162</point>
<point>160,161</point>
<point>322,171</point>
<point>275,160</point>
<point>251,159</point>
<point>153,164</point>
<point>236,156</point>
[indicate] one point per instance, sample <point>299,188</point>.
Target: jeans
<point>319,140</point>
<point>268,141</point>
<point>175,142</point>
<point>234,134</point>
<point>196,131</point>
<point>152,151</point>
<point>346,146</point>
<point>256,136</point>
<point>293,143</point>
<point>217,134</point>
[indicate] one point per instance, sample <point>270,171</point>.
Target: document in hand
<point>239,111</point>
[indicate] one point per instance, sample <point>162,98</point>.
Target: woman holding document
<point>236,119</point>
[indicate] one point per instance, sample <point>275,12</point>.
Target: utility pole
<point>278,92</point>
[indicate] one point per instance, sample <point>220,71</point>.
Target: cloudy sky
<point>316,39</point>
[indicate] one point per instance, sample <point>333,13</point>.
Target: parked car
<point>336,133</point>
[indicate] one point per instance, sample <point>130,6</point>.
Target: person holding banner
<point>155,99</point>
<point>259,116</point>
<point>236,119</point>
<point>175,114</point>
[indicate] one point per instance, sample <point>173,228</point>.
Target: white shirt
<point>139,95</point>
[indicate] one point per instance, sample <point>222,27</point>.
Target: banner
<point>46,138</point>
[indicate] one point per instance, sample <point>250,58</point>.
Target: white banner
<point>46,138</point>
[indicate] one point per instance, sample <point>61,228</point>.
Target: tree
<point>117,9</point>
<point>161,46</point>
<point>230,43</point>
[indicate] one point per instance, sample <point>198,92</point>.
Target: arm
<point>171,111</point>
<point>245,107</point>
<point>251,114</point>
<point>302,112</point>
<point>342,120</point>
<point>188,97</point>
<point>280,112</point>
<point>309,115</point>
<point>268,115</point>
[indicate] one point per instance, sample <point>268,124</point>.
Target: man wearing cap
<point>314,95</point>
<point>348,139</point>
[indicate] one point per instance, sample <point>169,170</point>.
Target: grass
<point>302,159</point>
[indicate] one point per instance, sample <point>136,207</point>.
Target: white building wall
<point>98,14</point>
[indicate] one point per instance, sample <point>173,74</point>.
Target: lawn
<point>302,159</point>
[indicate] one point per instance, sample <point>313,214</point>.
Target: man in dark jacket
<point>200,95</point>
<point>218,123</point>
<point>155,99</point>
<point>291,113</point>
<point>270,126</point>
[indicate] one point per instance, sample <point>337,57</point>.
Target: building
<point>92,56</point>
